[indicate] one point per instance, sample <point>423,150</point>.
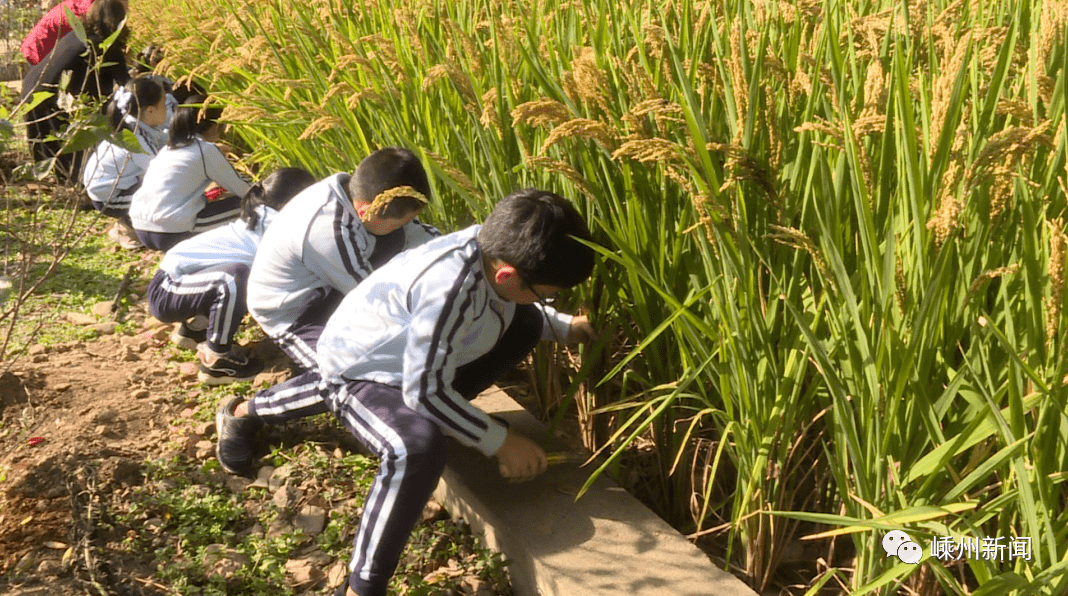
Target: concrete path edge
<point>605,543</point>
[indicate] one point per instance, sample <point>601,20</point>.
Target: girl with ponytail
<point>115,169</point>
<point>207,276</point>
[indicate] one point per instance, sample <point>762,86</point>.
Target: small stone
<point>284,497</point>
<point>137,343</point>
<point>302,572</point>
<point>49,568</point>
<point>225,562</point>
<point>337,574</point>
<point>235,484</point>
<point>78,318</point>
<point>106,416</point>
<point>311,519</point>
<point>37,349</point>
<point>278,477</point>
<point>140,394</point>
<point>106,328</point>
<point>152,323</point>
<point>278,527</point>
<point>101,309</point>
<point>476,587</point>
<point>63,386</point>
<point>206,429</point>
<point>205,449</point>
<point>188,369</point>
<point>24,563</point>
<point>263,477</point>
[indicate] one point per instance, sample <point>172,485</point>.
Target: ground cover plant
<point>108,482</point>
<point>108,477</point>
<point>833,242</point>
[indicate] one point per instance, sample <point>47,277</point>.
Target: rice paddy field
<point>831,236</point>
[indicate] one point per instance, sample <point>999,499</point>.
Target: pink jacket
<point>53,25</point>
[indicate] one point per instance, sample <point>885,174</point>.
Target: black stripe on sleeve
<point>441,334</point>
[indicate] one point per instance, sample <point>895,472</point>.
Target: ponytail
<point>131,99</point>
<point>192,118</point>
<point>274,191</point>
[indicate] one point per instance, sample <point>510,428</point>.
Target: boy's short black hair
<point>385,169</point>
<point>535,231</point>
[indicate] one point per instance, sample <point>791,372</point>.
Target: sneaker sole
<point>225,380</point>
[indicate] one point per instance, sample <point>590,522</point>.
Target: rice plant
<point>832,241</point>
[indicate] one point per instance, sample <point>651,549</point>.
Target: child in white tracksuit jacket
<point>406,351</point>
<point>171,206</point>
<point>328,239</point>
<point>114,172</point>
<point>208,275</point>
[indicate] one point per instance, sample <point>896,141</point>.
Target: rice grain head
<point>541,113</point>
<point>942,89</point>
<point>990,274</point>
<point>875,90</point>
<point>1057,241</point>
<point>318,126</point>
<point>489,117</point>
<point>654,39</point>
<point>1053,19</point>
<point>1019,109</point>
<point>797,239</point>
<point>366,95</point>
<point>739,83</point>
<point>945,219</point>
<point>555,166</point>
<point>591,84</point>
<point>242,114</point>
<point>650,150</point>
<point>461,179</point>
<point>581,128</point>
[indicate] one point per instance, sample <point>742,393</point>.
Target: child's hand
<point>581,331</point>
<point>520,459</point>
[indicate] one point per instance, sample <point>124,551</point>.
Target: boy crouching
<point>408,348</point>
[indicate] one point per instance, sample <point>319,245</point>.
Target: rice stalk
<point>1057,241</point>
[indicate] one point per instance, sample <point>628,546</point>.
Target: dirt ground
<point>83,423</point>
<point>79,420</point>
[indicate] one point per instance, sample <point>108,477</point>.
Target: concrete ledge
<point>606,543</point>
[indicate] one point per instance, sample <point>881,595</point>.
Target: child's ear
<point>504,273</point>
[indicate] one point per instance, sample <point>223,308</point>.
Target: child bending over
<point>328,239</point>
<point>208,275</point>
<point>112,172</point>
<point>171,206</point>
<point>408,349</point>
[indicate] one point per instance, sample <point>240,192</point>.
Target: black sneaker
<point>232,367</point>
<point>235,447</point>
<point>186,338</point>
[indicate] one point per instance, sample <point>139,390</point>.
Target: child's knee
<point>426,446</point>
